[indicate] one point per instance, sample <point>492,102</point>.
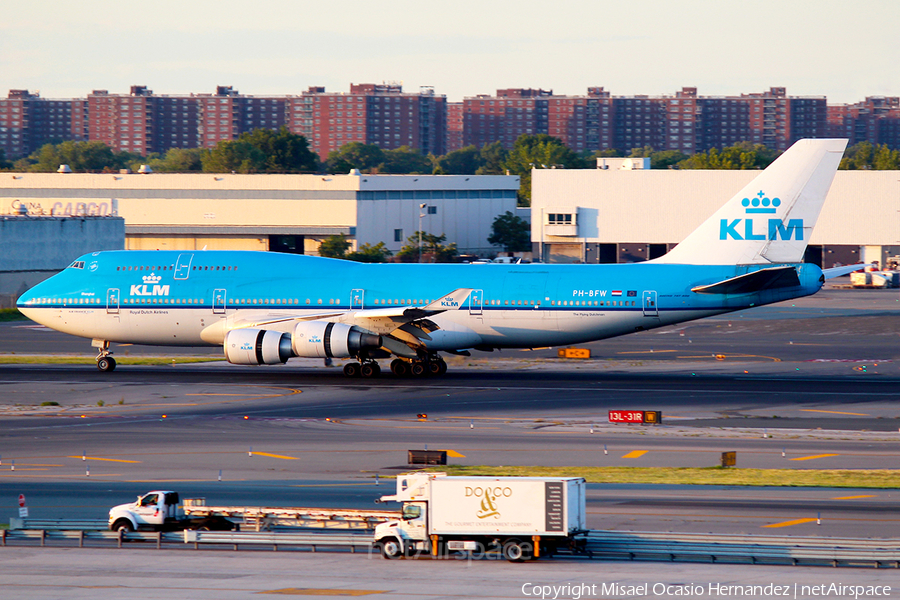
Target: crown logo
<point>761,204</point>
<point>151,278</point>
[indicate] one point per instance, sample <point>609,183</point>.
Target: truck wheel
<point>123,525</point>
<point>390,548</point>
<point>516,551</point>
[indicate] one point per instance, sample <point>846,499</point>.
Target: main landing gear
<point>368,369</point>
<point>105,361</point>
<point>430,365</point>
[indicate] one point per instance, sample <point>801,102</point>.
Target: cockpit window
<point>78,264</point>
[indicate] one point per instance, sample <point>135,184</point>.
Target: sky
<point>836,48</point>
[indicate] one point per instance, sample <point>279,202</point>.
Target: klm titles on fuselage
<point>774,228</point>
<point>150,287</point>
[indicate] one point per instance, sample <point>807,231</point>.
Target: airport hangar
<point>623,211</point>
<point>285,213</point>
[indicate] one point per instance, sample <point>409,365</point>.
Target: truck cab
<point>153,510</point>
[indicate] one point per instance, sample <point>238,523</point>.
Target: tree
<point>368,253</point>
<point>89,157</point>
<point>235,156</point>
<point>538,152</point>
<point>493,159</point>
<point>433,249</point>
<point>284,152</point>
<point>354,155</point>
<point>334,246</point>
<point>405,160</point>
<point>261,151</point>
<point>465,161</point>
<point>740,156</point>
<point>4,164</point>
<point>511,232</point>
<point>178,160</point>
<point>866,156</point>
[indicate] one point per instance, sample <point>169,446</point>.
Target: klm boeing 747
<point>265,308</point>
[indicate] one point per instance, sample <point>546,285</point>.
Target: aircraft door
<point>357,298</point>
<point>476,302</point>
<point>650,307</point>
<point>218,302</point>
<point>112,301</point>
<point>183,266</point>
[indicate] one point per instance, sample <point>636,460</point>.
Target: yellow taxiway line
<point>814,457</point>
<point>635,454</point>
<point>118,460</point>
<point>789,523</point>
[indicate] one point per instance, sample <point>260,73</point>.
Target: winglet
<point>771,219</point>
<point>452,301</point>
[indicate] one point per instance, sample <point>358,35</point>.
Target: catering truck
<point>522,518</point>
<point>163,511</point>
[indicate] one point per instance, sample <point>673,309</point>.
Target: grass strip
<point>836,478</point>
<point>17,359</point>
<point>11,314</point>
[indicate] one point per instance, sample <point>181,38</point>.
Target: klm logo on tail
<point>775,229</point>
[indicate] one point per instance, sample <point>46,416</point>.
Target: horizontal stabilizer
<point>757,281</point>
<point>844,270</point>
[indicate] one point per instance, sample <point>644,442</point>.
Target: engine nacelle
<point>257,347</point>
<point>319,339</point>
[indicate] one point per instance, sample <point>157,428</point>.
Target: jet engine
<point>319,339</point>
<point>257,347</point>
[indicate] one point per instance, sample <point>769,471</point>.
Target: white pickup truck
<point>163,511</point>
<point>520,517</point>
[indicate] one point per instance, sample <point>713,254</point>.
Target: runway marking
<point>855,497</point>
<point>454,454</point>
<point>727,356</point>
<point>636,454</point>
<point>789,523</point>
<point>646,352</point>
<point>275,456</point>
<point>119,460</point>
<point>322,592</point>
<point>814,456</point>
<point>214,394</point>
<point>58,475</point>
<point>834,412</point>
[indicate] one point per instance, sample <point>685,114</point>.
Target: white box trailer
<point>521,517</point>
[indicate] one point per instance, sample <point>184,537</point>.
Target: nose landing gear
<point>105,361</point>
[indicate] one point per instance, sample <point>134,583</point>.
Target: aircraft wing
<point>838,271</point>
<point>376,320</point>
<point>756,281</point>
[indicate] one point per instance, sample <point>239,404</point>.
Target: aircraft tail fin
<point>770,220</point>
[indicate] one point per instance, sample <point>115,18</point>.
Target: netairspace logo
<point>576,591</point>
<point>774,228</point>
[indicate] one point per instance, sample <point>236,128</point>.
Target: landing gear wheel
<point>106,364</point>
<point>418,369</point>
<point>434,367</point>
<point>443,370</point>
<point>399,368</point>
<point>369,370</point>
<point>352,369</point>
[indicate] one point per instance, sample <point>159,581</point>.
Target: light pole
<point>421,208</point>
